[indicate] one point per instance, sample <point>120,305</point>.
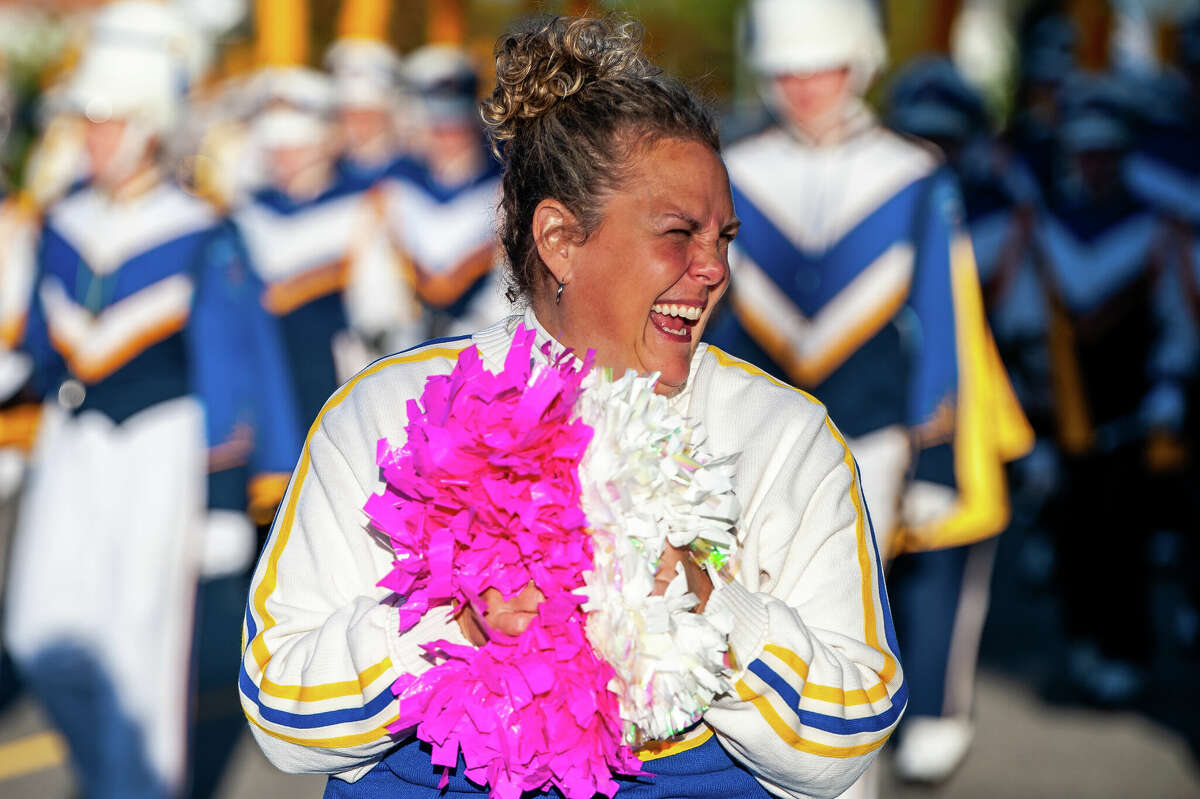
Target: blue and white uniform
<point>853,279</point>
<point>153,367</point>
<point>821,688</point>
<point>1001,201</point>
<point>1102,263</point>
<point>941,596</point>
<point>302,251</point>
<point>446,235</point>
<point>381,305</point>
<point>1118,375</point>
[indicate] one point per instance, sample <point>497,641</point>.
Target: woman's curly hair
<point>574,97</point>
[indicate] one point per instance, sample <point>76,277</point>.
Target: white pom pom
<point>647,481</point>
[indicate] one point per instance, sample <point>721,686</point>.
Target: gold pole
<point>364,19</point>
<point>281,32</point>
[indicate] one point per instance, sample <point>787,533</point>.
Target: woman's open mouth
<point>676,320</point>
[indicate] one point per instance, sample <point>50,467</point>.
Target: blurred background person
<point>1047,42</point>
<point>441,201</point>
<point>365,78</point>
<point>853,279</point>
<point>1102,253</point>
<point>298,231</point>
<point>1163,171</point>
<point>19,236</point>
<point>382,307</point>
<point>1164,163</point>
<point>144,360</point>
<point>931,99</point>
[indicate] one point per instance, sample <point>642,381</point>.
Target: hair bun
<point>553,59</point>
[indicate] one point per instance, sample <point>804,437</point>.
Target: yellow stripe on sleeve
<point>660,749</point>
<point>338,742</point>
<point>792,738</point>
<point>822,693</point>
<point>332,690</point>
<point>865,563</point>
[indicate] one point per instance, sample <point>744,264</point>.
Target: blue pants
<point>939,601</point>
<point>106,747</point>
<point>705,772</point>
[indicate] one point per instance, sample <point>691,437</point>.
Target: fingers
<point>698,581</point>
<point>472,626</point>
<point>671,557</point>
<point>512,616</point>
<point>511,622</point>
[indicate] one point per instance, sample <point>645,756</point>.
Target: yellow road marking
<point>32,753</point>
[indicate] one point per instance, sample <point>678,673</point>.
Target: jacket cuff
<point>406,650</point>
<point>749,615</point>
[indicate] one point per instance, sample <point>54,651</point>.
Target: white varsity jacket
<point>819,687</point>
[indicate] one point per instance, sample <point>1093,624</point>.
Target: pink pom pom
<point>485,494</point>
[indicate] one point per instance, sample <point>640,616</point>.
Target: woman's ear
<point>554,233</point>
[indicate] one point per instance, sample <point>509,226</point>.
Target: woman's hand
<point>510,617</point>
<point>698,581</point>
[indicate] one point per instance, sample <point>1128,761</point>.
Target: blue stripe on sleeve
<point>831,724</point>
<point>306,721</point>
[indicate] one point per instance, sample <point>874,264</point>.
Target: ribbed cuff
<point>749,620</point>
<point>406,651</point>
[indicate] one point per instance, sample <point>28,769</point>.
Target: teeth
<point>689,312</point>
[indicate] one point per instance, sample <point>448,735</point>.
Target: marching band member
<point>931,99</point>
<point>1047,57</point>
<point>441,203</point>
<point>379,299</point>
<point>853,279</point>
<point>1165,172</point>
<point>299,232</point>
<point>365,77</point>
<point>151,365</point>
<point>1164,169</point>
<point>1118,381</point>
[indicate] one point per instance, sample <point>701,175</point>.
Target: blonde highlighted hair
<point>575,97</point>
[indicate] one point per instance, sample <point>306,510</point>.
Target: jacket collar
<point>494,344</point>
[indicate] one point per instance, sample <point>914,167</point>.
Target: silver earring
<point>558,296</point>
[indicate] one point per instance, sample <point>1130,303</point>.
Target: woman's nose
<point>710,267</point>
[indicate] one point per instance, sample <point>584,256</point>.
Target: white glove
<point>228,544</point>
<point>15,368</point>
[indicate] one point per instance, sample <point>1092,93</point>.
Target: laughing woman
<point>617,220</point>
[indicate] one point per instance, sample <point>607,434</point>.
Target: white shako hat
<point>138,63</point>
<point>366,73</point>
<point>444,81</point>
<point>803,36</point>
<point>294,107</point>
